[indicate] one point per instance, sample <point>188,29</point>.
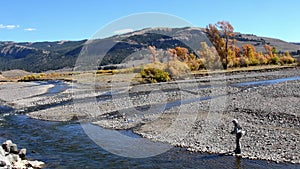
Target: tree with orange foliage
<point>154,53</point>
<point>272,54</point>
<point>221,44</point>
<point>227,30</point>
<point>215,38</point>
<point>182,53</point>
<point>172,54</point>
<point>268,49</point>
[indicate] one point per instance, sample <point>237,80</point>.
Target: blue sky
<point>51,20</point>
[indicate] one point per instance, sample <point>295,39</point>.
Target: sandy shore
<point>195,113</point>
<point>14,93</point>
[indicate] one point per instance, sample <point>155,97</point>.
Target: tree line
<point>222,54</point>
<point>222,34</point>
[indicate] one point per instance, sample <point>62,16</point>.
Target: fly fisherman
<point>238,133</point>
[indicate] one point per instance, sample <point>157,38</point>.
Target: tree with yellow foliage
<point>209,56</point>
<point>250,53</point>
<point>220,35</point>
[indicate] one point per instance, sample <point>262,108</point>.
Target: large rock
<point>11,158</point>
<point>4,161</point>
<point>22,153</point>
<point>6,145</point>
<point>36,164</point>
<point>14,149</point>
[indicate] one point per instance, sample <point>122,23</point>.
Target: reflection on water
<point>237,164</point>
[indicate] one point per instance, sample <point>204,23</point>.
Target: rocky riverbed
<point>195,114</point>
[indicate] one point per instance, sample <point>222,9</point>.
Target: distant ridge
<point>295,43</point>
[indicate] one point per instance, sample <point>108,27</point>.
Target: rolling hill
<point>43,56</point>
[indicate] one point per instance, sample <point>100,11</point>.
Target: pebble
<point>2,163</point>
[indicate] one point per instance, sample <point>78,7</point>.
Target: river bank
<point>195,114</point>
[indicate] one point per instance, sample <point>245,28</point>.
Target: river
<point>66,145</point>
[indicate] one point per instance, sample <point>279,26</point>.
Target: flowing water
<point>267,82</point>
<point>66,145</point>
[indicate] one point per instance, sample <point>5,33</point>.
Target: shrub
<point>201,64</point>
<point>286,60</point>
<point>32,77</point>
<point>163,72</point>
<point>244,62</point>
<point>154,75</point>
<point>196,64</point>
<point>274,60</point>
<point>236,62</point>
<point>253,61</point>
<point>42,75</point>
<point>177,69</point>
<point>104,72</point>
<point>262,59</point>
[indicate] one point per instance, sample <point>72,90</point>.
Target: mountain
<point>43,56</point>
<point>39,56</point>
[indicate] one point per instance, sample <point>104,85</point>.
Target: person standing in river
<point>238,134</point>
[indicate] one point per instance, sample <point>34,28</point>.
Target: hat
<point>235,121</point>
